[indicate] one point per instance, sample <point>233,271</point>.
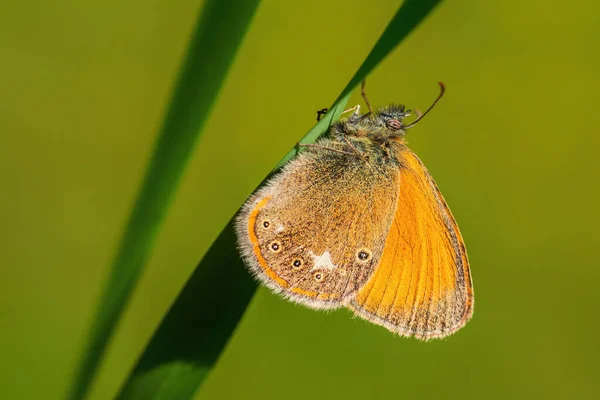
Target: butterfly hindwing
<point>317,230</point>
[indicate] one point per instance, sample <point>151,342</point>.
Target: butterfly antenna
<point>442,90</point>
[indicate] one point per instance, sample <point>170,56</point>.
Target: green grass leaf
<point>190,338</point>
<point>200,81</point>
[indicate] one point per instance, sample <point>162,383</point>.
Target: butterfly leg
<point>323,111</point>
<point>356,108</point>
<point>358,153</point>
<point>320,113</point>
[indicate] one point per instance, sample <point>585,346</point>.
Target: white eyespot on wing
<point>323,261</point>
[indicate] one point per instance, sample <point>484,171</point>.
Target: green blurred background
<point>513,146</point>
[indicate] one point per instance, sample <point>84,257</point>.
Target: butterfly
<point>357,221</point>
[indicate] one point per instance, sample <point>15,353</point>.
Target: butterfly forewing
<point>422,284</point>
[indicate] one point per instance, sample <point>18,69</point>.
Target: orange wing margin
<point>422,285</point>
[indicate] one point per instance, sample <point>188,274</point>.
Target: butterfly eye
<point>275,247</point>
<point>363,255</point>
<point>266,223</point>
<point>394,124</point>
<point>297,263</point>
<point>319,276</point>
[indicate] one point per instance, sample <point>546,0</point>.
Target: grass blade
<point>190,338</point>
<point>201,78</point>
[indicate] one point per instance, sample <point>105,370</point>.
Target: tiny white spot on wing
<point>279,228</point>
<point>323,261</point>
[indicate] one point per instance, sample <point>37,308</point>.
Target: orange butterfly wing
<point>422,286</point>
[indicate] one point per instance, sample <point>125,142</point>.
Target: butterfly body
<point>356,221</point>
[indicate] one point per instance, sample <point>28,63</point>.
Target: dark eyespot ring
<point>297,263</point>
<point>275,246</point>
<point>363,255</point>
<point>319,276</point>
<point>266,223</point>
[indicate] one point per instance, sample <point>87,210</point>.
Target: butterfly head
<point>390,118</point>
<point>382,125</point>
